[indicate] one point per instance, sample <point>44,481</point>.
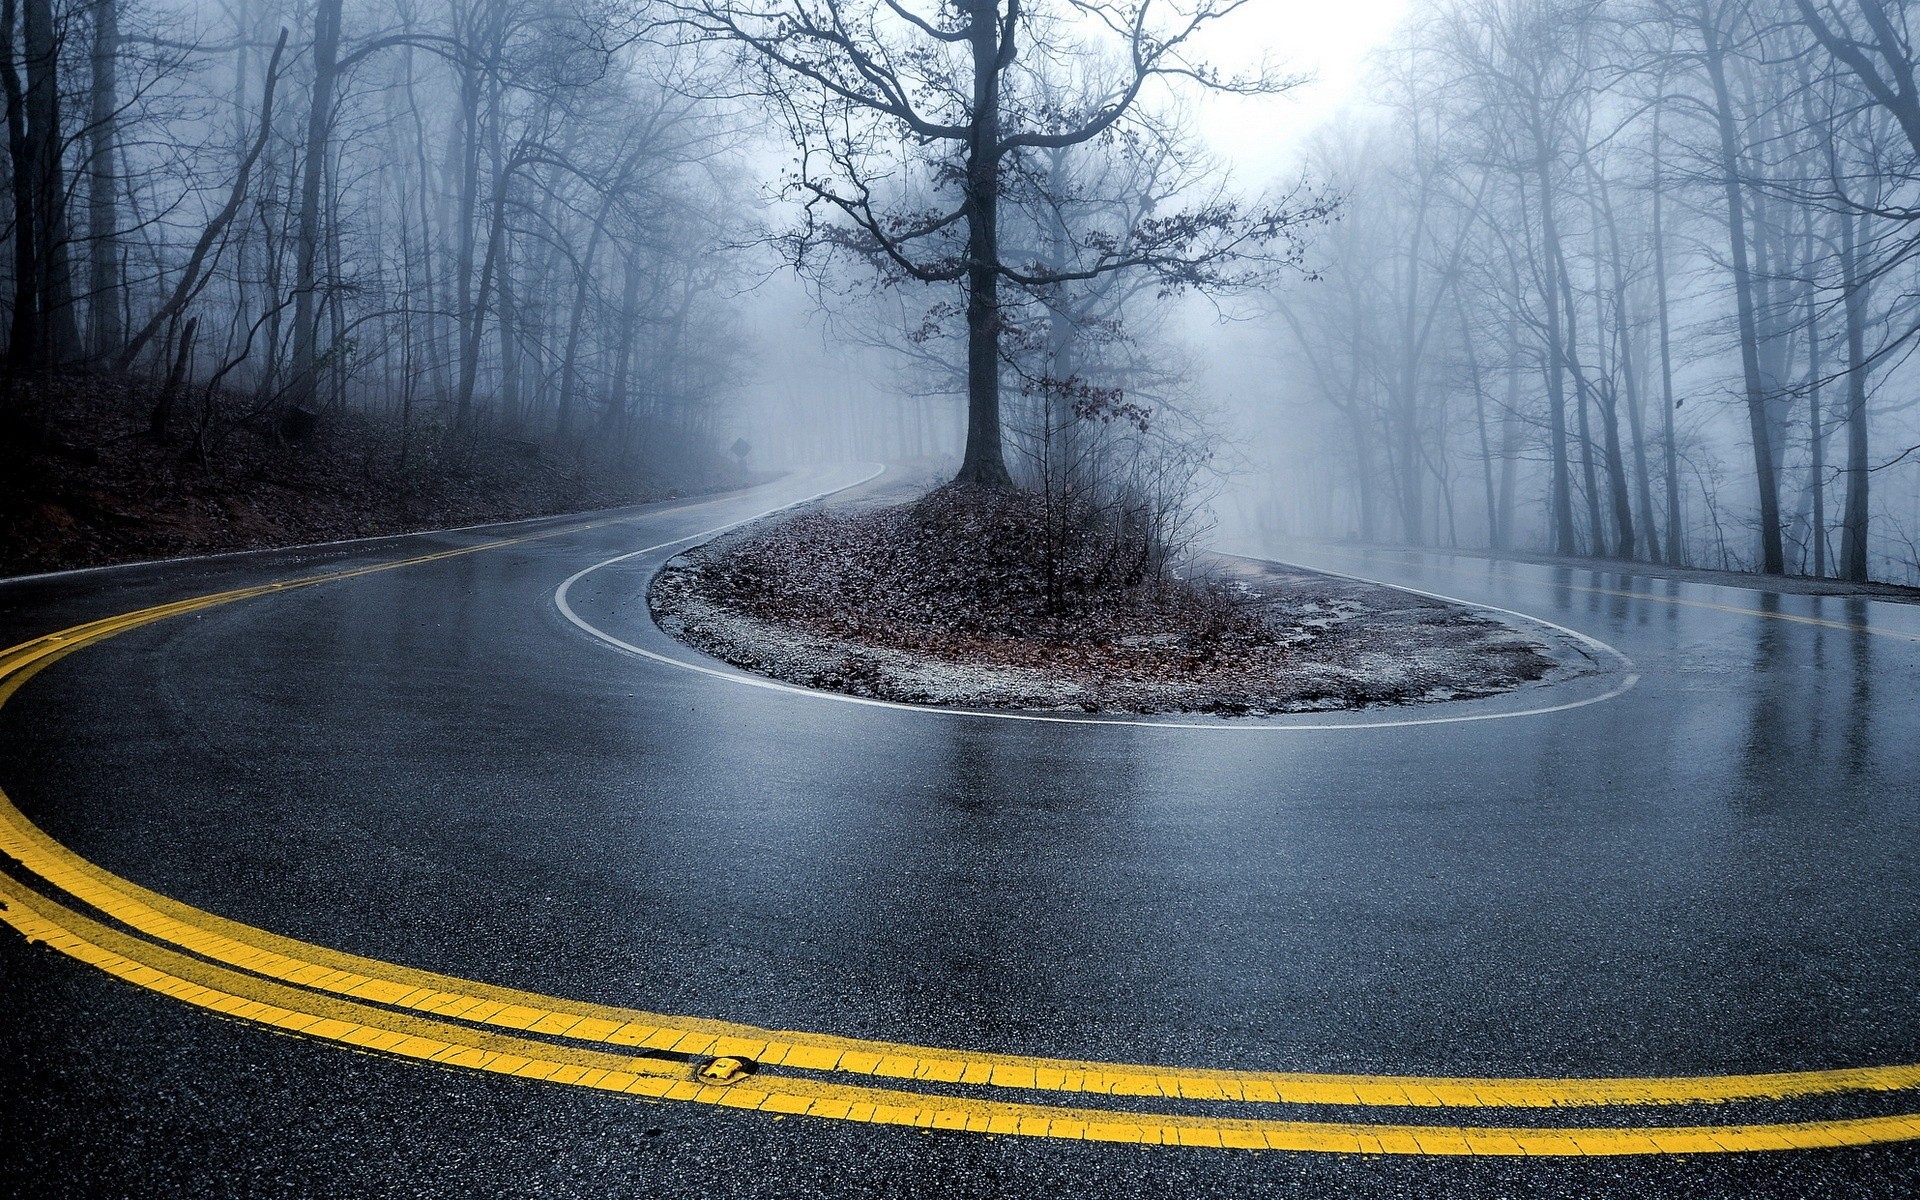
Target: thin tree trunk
<point>466,213</point>
<point>1510,433</point>
<point>1596,527</point>
<point>1561,484</point>
<point>60,330</point>
<point>1816,433</point>
<point>1403,397</point>
<point>306,324</point>
<point>1676,539</point>
<point>1636,429</point>
<point>1479,418</point>
<point>476,320</point>
<point>433,340</point>
<point>104,330</point>
<point>26,345</point>
<point>623,353</point>
<point>569,374</point>
<point>1853,522</point>
<point>1772,554</point>
<point>1607,396</point>
<point>1630,383</point>
<point>512,400</point>
<point>176,375</point>
<point>336,313</point>
<point>1363,448</point>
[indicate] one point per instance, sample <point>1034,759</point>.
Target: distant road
<point>428,808</point>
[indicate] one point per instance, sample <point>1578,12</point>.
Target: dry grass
<point>945,600</point>
<point>959,574</point>
<point>82,483</point>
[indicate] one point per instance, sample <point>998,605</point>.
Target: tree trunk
<point>1561,483</point>
<point>1853,521</point>
<point>476,319</point>
<point>176,375</point>
<point>104,329</point>
<point>61,332</point>
<point>1676,539</point>
<point>1616,472</point>
<point>623,353</point>
<point>26,345</point>
<point>583,290</point>
<point>433,355</point>
<point>1596,527</point>
<point>1630,383</point>
<point>984,463</point>
<point>1363,461</point>
<point>513,354</point>
<point>466,211</point>
<point>1772,554</point>
<point>1404,400</point>
<point>1607,397</point>
<point>1510,434</point>
<point>1816,432</point>
<point>306,324</point>
<point>1479,419</point>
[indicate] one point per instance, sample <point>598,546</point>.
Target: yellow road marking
<point>404,1035</point>
<point>274,957</point>
<point>315,991</point>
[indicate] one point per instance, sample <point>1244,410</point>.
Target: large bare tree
<point>905,120</point>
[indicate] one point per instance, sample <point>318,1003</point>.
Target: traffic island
<point>956,600</point>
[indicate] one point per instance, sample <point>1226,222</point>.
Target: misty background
<point>1624,280</point>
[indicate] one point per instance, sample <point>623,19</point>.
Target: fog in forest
<point>1625,280</point>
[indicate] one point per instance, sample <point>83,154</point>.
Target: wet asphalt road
<point>1717,871</point>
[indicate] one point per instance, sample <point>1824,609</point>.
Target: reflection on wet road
<point>1714,872</point>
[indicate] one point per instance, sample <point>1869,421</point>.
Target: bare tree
<point>875,92</point>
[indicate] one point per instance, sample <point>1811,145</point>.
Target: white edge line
<point>1258,724</point>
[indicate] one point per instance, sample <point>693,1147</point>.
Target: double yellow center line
<point>255,976</point>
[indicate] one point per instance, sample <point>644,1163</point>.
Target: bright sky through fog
<point>1328,39</point>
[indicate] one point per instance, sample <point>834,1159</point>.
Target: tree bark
<point>104,328</point>
<point>1853,521</point>
<point>1510,433</point>
<point>59,329</point>
<point>1676,539</point>
<point>26,343</point>
<point>1816,431</point>
<point>306,324</point>
<point>1596,527</point>
<point>583,291</point>
<point>984,462</point>
<point>623,353</point>
<point>476,319</point>
<point>1772,555</point>
<point>1561,485</point>
<point>1630,383</point>
<point>1404,401</point>
<point>1479,418</point>
<point>176,375</point>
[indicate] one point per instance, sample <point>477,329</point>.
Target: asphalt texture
<point>1717,871</point>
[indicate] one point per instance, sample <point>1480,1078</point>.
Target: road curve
<point>1707,878</point>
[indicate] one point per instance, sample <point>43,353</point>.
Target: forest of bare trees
<point>498,218</point>
<point>1631,280</point>
<point>529,221</point>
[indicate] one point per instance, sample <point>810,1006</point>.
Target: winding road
<point>428,866</point>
